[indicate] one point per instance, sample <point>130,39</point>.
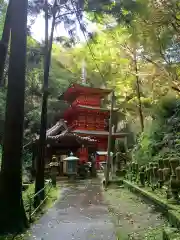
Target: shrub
<point>0,155</point>
<point>162,138</point>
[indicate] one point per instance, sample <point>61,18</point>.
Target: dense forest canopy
<point>142,42</point>
<point>60,78</point>
<point>135,43</point>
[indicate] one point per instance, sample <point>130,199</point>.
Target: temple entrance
<point>92,151</point>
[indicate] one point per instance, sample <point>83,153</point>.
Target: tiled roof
<point>58,127</point>
<point>79,88</point>
<point>66,135</point>
<point>60,132</point>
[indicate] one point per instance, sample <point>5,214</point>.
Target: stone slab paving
<point>80,214</point>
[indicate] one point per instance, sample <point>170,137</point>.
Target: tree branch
<point>176,89</point>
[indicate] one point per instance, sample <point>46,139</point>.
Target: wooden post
<point>126,149</point>
<point>112,167</point>
<point>109,142</point>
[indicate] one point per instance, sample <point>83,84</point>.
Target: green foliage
<point>162,139</point>
<point>28,193</point>
<point>27,158</point>
<point>59,80</point>
<point>2,108</point>
<point>0,155</point>
<point>3,6</point>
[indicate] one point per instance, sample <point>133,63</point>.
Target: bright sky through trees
<point>38,29</point>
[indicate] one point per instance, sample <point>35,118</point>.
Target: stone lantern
<point>54,170</point>
<point>70,164</point>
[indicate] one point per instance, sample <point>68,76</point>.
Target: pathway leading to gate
<point>80,214</point>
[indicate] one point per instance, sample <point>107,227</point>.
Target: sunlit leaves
<point>113,52</point>
<point>111,59</point>
<point>3,6</point>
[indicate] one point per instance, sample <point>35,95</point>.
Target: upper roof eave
<point>56,128</point>
<point>82,89</point>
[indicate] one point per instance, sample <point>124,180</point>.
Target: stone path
<point>80,214</point>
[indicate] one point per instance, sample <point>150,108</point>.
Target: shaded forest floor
<point>133,218</point>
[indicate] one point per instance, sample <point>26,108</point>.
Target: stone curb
<point>171,213</point>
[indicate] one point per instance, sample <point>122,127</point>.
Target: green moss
<point>27,194</point>
<point>53,195</point>
<point>154,233</point>
<point>171,233</point>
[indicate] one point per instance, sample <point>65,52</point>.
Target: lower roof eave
<point>100,133</point>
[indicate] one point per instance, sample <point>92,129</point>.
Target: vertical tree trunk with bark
<point>4,43</point>
<point>109,162</point>
<point>12,214</point>
<point>34,156</point>
<point>138,93</point>
<point>40,164</point>
<point>42,140</point>
<point>115,123</point>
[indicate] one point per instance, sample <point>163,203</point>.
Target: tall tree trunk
<point>4,44</point>
<point>138,93</point>
<point>12,214</point>
<point>108,161</point>
<point>42,140</point>
<point>115,123</point>
<point>34,155</point>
